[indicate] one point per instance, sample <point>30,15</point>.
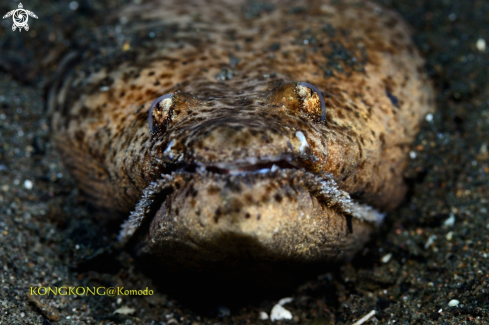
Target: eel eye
<point>161,113</point>
<point>299,98</point>
<point>312,99</point>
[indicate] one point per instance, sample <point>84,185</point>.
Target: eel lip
<point>283,215</point>
<point>321,187</point>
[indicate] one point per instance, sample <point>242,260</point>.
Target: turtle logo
<point>20,17</point>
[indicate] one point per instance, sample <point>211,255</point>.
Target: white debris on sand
<point>450,221</point>
<point>278,312</point>
<point>481,44</point>
<point>453,303</point>
<point>28,184</point>
<point>449,235</point>
<point>430,241</point>
<point>386,258</point>
<point>263,315</point>
<point>284,301</point>
<point>365,318</point>
<point>124,310</point>
<point>74,5</point>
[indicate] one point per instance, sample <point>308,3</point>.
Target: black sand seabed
<point>408,274</point>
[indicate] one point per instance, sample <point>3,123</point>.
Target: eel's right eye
<point>161,113</point>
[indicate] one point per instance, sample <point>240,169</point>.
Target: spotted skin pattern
<point>240,161</point>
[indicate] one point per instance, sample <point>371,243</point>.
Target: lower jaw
<point>284,216</point>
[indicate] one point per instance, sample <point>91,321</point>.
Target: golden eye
<point>299,97</point>
<point>160,113</point>
<point>312,99</point>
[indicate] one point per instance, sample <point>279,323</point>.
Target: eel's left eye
<point>312,99</point>
<point>299,98</point>
<point>161,113</point>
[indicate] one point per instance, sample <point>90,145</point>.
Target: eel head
<point>247,176</point>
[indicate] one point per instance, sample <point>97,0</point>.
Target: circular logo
<point>20,18</point>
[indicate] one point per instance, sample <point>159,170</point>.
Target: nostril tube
<point>323,105</point>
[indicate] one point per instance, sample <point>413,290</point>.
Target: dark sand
<point>49,236</point>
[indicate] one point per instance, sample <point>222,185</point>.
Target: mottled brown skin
<point>361,58</point>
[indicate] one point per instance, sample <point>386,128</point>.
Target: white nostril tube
<point>167,151</point>
<point>303,141</point>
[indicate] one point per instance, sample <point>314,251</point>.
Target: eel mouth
<point>271,208</point>
<point>250,165</point>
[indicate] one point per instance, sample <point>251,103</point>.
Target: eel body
<point>240,159</point>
